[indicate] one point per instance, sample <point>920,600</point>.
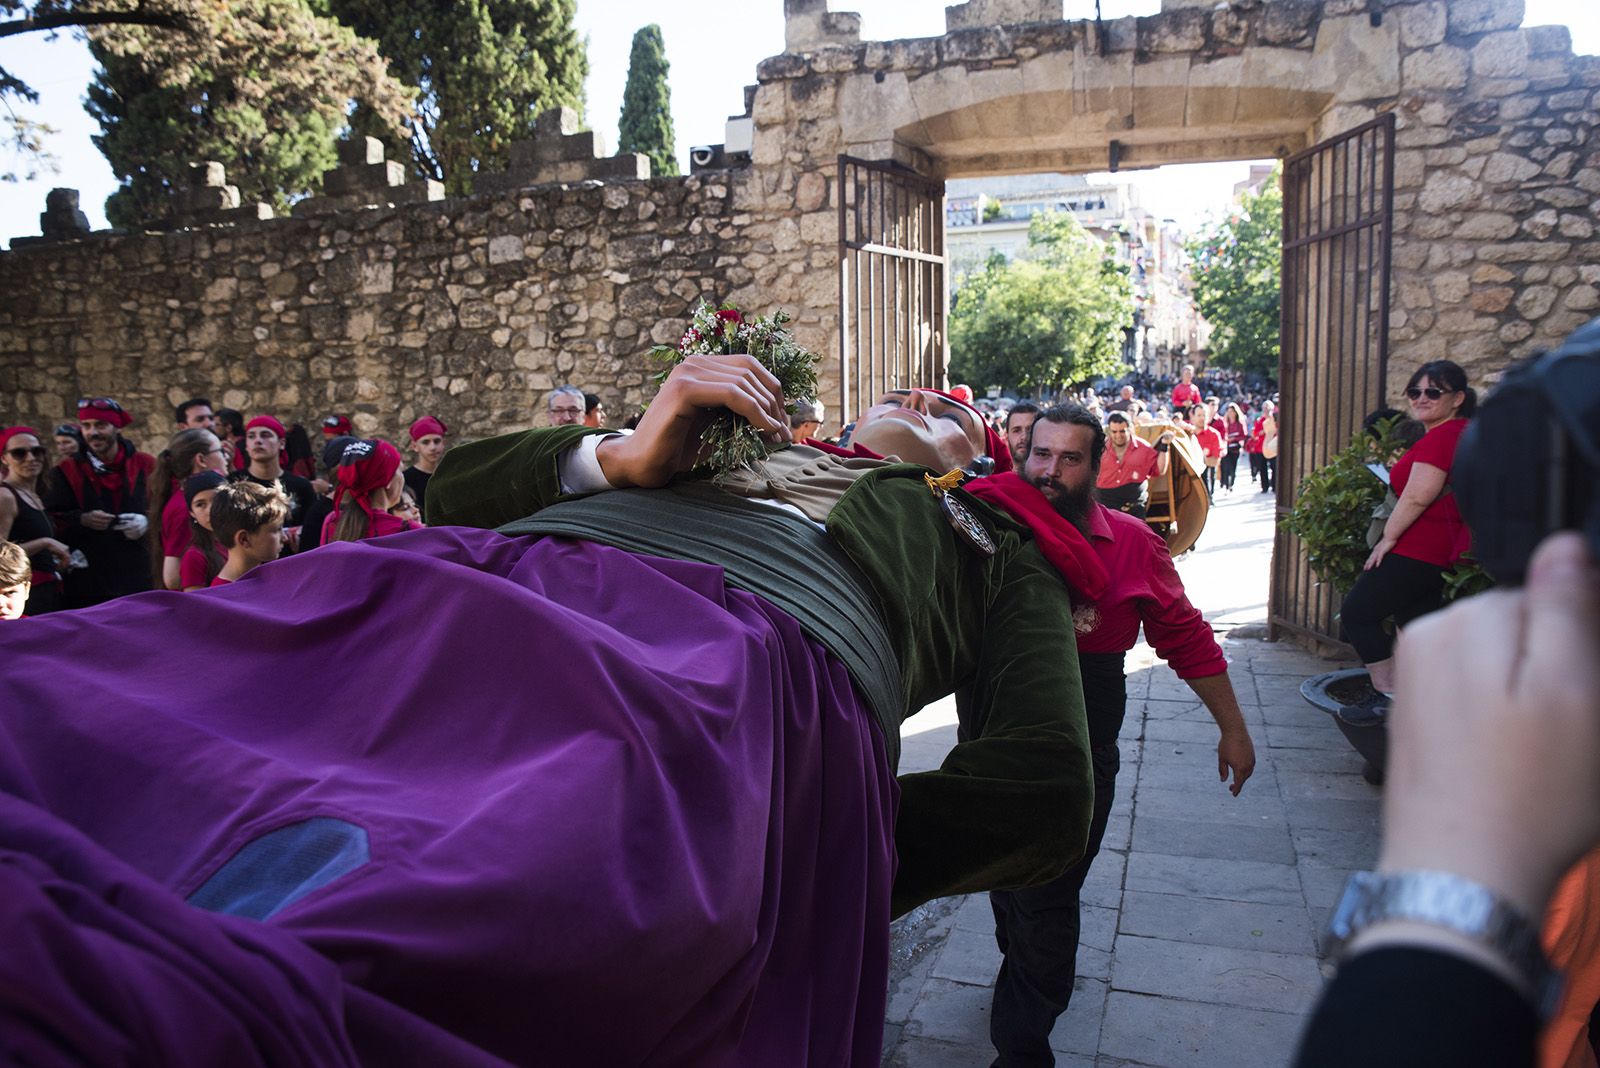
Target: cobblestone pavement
<point>1203,911</point>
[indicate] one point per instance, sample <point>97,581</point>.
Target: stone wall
<point>472,309</point>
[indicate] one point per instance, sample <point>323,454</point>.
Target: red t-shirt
<point>1210,441</point>
<point>1439,536</point>
<point>1138,464</point>
<point>1144,588</point>
<point>192,569</point>
<point>220,581</point>
<point>1185,393</point>
<point>175,532</point>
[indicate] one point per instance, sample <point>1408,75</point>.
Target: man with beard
<point>1018,420</point>
<point>98,500</point>
<point>1037,926</point>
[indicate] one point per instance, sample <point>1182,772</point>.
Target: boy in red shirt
<point>247,520</point>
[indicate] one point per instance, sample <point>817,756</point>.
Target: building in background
<point>985,216</point>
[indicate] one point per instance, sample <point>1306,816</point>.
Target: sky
<point>713,47</point>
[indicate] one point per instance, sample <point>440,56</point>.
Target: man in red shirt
<point>1127,465</point>
<point>1037,927</point>
<point>1185,394</point>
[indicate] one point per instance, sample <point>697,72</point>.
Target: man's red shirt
<point>1138,464</point>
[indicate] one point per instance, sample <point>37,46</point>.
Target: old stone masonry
<point>385,299</point>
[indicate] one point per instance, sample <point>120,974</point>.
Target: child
<point>408,509</point>
<point>202,561</point>
<point>247,521</point>
<point>16,579</point>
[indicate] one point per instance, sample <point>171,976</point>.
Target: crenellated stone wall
<point>472,309</point>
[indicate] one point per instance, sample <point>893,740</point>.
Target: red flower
<point>728,315</point>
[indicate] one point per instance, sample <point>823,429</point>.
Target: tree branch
<point>65,19</point>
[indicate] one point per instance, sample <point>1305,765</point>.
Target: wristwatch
<point>1440,899</point>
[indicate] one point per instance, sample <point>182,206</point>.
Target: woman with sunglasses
<point>23,519</point>
<point>1423,538</point>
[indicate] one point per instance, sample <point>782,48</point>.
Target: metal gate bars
<point>1337,214</point>
<point>892,291</point>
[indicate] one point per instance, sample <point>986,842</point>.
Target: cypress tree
<point>647,103</point>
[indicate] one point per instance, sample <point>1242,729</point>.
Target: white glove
<point>133,525</point>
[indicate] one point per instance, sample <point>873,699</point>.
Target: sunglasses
<point>99,402</point>
<point>22,452</point>
<point>1431,392</point>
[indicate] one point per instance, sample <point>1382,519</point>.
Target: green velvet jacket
<point>1008,808</point>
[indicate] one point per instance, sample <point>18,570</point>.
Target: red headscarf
<point>367,466</point>
<point>270,423</point>
<point>425,426</point>
<point>336,425</point>
<point>12,431</point>
<point>104,409</point>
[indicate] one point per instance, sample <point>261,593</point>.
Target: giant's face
<point>922,428</point>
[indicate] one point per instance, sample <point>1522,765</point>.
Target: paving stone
<point>1239,924</point>
<point>1078,1029</point>
<point>952,1012</point>
<point>1327,737</point>
<point>1295,714</point>
<point>1097,927</point>
<point>969,957</point>
<point>1322,883</point>
<point>1103,887</point>
<point>974,914</point>
<point>1304,784</point>
<point>1344,761</point>
<point>1231,880</point>
<point>1234,840</point>
<point>1192,731</point>
<point>1222,975</point>
<point>1335,814</point>
<point>1119,828</point>
<point>1204,804</point>
<point>1337,848</point>
<point>927,1053</point>
<point>1174,707</point>
<point>1183,1034</point>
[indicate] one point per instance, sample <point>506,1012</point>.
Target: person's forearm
<point>1405,513</point>
<point>1216,691</point>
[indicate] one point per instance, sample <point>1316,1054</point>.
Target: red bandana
<point>425,426</point>
<point>367,466</point>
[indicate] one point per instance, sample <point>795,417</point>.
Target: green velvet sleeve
<point>490,482</point>
<point>1010,807</point>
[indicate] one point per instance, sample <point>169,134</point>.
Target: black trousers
<point>1399,588</point>
<point>1255,466</point>
<point>1230,466</point>
<point>1130,498</point>
<point>1037,927</point>
<point>1269,473</point>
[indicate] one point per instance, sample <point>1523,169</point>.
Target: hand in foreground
<point>1236,753</point>
<point>667,440</point>
<point>1494,767</point>
<point>59,551</point>
<point>97,520</point>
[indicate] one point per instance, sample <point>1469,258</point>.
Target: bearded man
<point>1037,926</point>
<point>611,784</point>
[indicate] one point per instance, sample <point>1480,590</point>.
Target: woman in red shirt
<point>1404,576</point>
<point>1234,435</point>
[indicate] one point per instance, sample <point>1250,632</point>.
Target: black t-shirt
<point>417,483</point>
<point>298,490</point>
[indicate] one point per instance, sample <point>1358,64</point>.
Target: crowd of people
<point>97,518</point>
<point>1018,809</point>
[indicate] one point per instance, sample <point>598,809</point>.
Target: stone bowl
<point>1328,692</point>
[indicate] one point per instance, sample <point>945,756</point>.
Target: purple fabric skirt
<point>610,812</point>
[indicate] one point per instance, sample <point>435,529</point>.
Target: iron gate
<point>1337,213</point>
<point>893,299</point>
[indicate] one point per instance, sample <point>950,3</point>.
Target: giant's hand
<point>1494,766</point>
<point>667,440</point>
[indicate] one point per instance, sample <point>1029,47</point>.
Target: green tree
<point>647,103</point>
<point>483,70</point>
<point>261,86</point>
<point>1053,318</point>
<point>1236,275</point>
